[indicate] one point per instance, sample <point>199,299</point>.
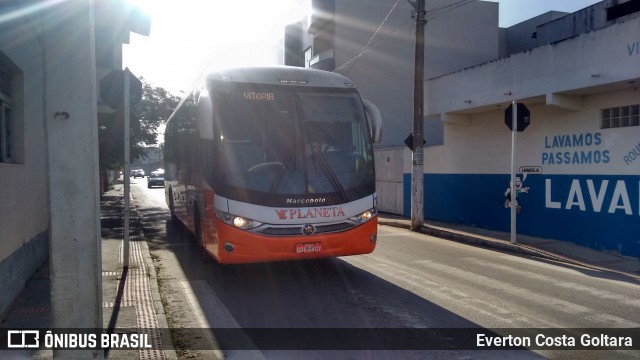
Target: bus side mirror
<point>375,120</point>
<point>205,110</point>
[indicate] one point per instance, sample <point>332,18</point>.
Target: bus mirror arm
<point>375,120</point>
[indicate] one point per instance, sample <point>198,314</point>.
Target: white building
<point>582,87</point>
<point>578,74</point>
<point>52,56</point>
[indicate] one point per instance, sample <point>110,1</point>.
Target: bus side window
<point>209,162</point>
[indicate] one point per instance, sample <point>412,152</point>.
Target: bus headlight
<point>237,221</point>
<point>365,216</point>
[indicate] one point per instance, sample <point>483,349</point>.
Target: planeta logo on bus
<point>326,212</point>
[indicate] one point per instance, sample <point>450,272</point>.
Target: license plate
<point>308,248</point>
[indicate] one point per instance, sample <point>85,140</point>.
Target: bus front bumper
<point>239,246</point>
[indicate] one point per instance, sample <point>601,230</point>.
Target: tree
<point>153,110</point>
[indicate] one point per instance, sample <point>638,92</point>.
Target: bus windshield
<point>293,141</point>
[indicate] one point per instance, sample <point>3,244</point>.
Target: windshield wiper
<point>283,169</point>
<point>331,175</point>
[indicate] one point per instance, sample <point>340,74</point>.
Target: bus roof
<point>282,75</point>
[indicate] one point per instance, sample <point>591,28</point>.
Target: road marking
<point>571,269</point>
<point>582,312</point>
<point>590,290</point>
<point>210,312</point>
<point>444,295</point>
<point>416,279</point>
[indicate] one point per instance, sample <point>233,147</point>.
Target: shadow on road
<point>314,296</point>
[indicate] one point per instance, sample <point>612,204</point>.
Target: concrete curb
<point>462,238</point>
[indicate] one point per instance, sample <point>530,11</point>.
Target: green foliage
<point>153,110</point>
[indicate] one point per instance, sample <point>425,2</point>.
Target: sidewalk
<point>131,299</point>
<point>546,248</point>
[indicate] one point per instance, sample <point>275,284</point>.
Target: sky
<point>189,37</point>
<point>516,11</point>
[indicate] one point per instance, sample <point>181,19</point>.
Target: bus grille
<point>297,230</point>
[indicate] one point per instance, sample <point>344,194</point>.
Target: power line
<point>351,62</point>
<point>355,58</point>
<point>430,14</point>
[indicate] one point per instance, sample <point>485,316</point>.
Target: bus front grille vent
<point>297,230</point>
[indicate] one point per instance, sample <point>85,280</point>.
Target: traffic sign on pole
<point>523,117</point>
<point>409,141</point>
<point>515,127</point>
<point>112,89</point>
<point>517,118</point>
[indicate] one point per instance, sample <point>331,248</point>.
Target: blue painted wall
<point>600,212</point>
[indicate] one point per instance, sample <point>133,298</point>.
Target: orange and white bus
<point>274,163</point>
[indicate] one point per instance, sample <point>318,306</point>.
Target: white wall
<point>556,83</point>
<point>592,62</point>
<point>23,196</point>
<point>390,178</point>
<point>483,146</point>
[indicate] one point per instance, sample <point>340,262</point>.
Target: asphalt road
<point>410,281</point>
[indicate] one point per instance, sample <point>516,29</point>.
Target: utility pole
<point>417,176</point>
<point>127,169</point>
<point>71,134</point>
<point>120,89</point>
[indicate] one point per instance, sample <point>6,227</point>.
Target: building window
<point>6,134</point>
<point>5,83</point>
<point>11,112</point>
<point>6,119</point>
<point>624,116</point>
